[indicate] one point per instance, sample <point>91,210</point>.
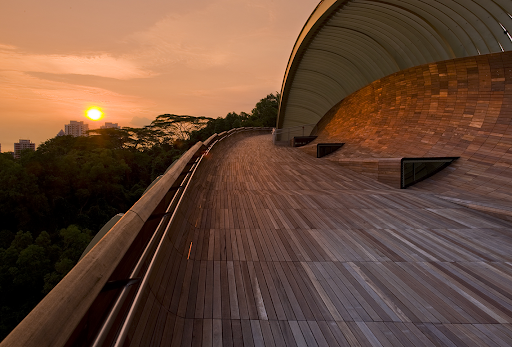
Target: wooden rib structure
<point>275,248</point>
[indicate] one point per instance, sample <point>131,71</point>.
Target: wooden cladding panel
<point>460,107</point>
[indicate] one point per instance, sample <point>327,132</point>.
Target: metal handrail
<point>64,316</point>
<point>137,270</point>
<point>121,337</point>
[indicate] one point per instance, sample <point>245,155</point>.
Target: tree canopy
<point>54,200</point>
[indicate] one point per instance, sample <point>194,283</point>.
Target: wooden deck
<point>277,248</point>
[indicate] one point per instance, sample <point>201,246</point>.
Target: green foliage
<point>72,185</point>
<point>21,201</point>
<point>171,127</point>
<point>265,112</point>
<point>31,268</point>
<point>73,241</point>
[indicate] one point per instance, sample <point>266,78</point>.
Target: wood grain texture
<point>460,107</point>
<point>53,320</point>
<point>290,250</point>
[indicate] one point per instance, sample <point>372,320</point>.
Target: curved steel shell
<point>346,45</point>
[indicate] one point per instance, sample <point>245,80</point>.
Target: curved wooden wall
<point>347,44</point>
<point>460,107</point>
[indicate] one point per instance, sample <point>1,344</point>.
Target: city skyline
<point>74,128</point>
<point>138,61</point>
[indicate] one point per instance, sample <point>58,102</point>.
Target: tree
<point>70,187</point>
<point>172,127</point>
<point>264,114</point>
<point>21,202</point>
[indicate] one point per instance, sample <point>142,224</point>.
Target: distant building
<point>75,128</point>
<point>109,125</point>
<point>20,146</point>
<point>61,133</point>
<point>0,148</point>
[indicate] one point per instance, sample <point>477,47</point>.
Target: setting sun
<point>94,113</point>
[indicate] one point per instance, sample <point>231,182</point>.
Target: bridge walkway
<point>277,248</point>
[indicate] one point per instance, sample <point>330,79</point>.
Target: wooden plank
<point>207,335</point>
<point>501,339</point>
<point>286,247</point>
<point>268,303</point>
<point>168,332</point>
<point>400,301</point>
<point>188,332</point>
<point>248,339</point>
<point>277,291</point>
<point>282,333</point>
<point>429,299</point>
<point>450,335</point>
<point>197,334</point>
<point>299,301</point>
<point>240,292</point>
<point>249,253</point>
<point>159,328</point>
<point>217,332</point>
<point>378,330</point>
<point>266,332</point>
<point>238,339</point>
<point>355,294</point>
<point>318,334</point>
<point>334,294</point>
<point>144,314</point>
<point>434,335</point>
<point>201,290</point>
<point>178,331</point>
<point>259,293</point>
<point>224,290</point>
<point>227,333</point>
<point>209,293</point>
<point>405,337</point>
<point>217,291</point>
<point>257,334</point>
<point>186,289</point>
<point>467,333</point>
<point>363,337</point>
<point>252,305</point>
<point>298,337</point>
<point>370,262</point>
<point>323,294</point>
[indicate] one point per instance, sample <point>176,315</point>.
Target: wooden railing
<point>90,303</point>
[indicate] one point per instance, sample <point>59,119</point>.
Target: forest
<point>55,199</point>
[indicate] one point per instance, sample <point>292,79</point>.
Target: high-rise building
<point>75,128</point>
<point>21,145</point>
<point>109,125</point>
<point>0,148</point>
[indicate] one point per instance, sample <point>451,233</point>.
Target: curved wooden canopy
<point>347,44</point>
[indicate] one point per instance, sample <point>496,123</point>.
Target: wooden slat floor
<point>287,250</point>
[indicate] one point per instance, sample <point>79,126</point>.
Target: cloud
<point>102,65</point>
<point>218,34</point>
<point>7,47</point>
<point>25,99</point>
<point>37,109</point>
<point>137,60</point>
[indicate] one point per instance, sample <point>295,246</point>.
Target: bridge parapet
<point>73,313</point>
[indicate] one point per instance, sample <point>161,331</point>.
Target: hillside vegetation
<point>54,200</point>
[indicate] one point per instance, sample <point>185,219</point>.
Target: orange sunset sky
<point>137,59</point>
